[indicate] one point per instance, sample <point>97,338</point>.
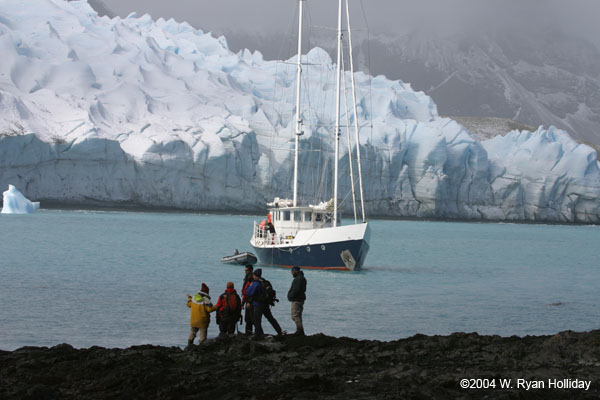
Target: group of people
<point>258,296</point>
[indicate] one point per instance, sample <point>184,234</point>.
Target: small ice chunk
<point>15,203</point>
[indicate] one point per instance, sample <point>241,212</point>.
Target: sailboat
<point>312,236</point>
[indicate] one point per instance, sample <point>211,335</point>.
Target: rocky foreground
<point>314,367</point>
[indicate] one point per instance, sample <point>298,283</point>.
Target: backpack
<point>268,294</point>
<point>231,305</point>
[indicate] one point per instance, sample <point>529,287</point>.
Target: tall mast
<point>337,115</point>
<point>360,183</point>
<point>298,118</point>
<point>348,139</point>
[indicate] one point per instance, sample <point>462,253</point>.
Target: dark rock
<point>318,366</point>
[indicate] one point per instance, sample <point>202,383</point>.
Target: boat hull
<point>345,255</point>
<point>315,258</point>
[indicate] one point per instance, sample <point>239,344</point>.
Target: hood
<point>200,298</point>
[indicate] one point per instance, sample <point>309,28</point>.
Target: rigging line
<point>343,201</point>
<point>287,149</point>
<point>327,28</point>
<point>360,183</point>
<point>368,64</point>
<point>313,159</point>
<point>309,101</point>
<point>292,249</point>
<point>309,24</point>
<point>349,139</point>
<point>325,74</point>
<point>323,159</point>
<point>279,96</point>
<point>287,39</point>
<point>291,63</point>
<point>308,178</point>
<point>324,162</point>
<point>331,126</point>
<point>306,71</point>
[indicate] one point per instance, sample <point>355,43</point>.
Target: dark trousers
<point>257,313</point>
<point>271,319</point>
<point>248,316</point>
<point>227,325</point>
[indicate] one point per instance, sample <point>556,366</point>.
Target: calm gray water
<point>117,279</point>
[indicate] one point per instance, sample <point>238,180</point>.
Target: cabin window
<point>297,216</point>
<point>276,215</point>
<point>307,216</point>
<point>286,215</point>
<point>318,217</point>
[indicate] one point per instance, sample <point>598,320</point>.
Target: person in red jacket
<point>248,279</point>
<point>229,310</point>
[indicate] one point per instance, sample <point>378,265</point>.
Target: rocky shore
<point>314,367</point>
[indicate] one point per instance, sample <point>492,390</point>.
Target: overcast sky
<point>581,17</point>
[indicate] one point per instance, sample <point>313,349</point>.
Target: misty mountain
<point>532,77</point>
<point>536,75</point>
<point>536,78</point>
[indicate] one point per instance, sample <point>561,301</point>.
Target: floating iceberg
<point>15,203</point>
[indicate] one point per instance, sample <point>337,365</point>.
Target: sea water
<point>117,279</point>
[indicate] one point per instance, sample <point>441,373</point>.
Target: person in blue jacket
<point>254,292</point>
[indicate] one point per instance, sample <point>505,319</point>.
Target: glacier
<point>15,203</point>
<point>135,112</point>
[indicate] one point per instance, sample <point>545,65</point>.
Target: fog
<point>577,17</point>
<point>530,64</point>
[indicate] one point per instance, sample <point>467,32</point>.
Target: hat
<point>229,285</point>
<point>205,288</point>
<point>295,269</point>
<point>258,272</point>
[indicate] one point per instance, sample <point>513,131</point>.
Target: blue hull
<point>315,256</point>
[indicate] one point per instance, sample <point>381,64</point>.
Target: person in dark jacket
<point>229,310</point>
<point>254,292</point>
<point>248,310</point>
<point>297,296</point>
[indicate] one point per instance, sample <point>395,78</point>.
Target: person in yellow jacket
<point>200,309</point>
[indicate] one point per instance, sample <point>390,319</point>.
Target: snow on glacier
<point>156,113</point>
<point>13,202</point>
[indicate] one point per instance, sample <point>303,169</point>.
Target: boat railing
<point>262,237</point>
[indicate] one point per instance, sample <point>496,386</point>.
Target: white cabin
<point>288,221</point>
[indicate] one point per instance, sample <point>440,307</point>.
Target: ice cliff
<point>158,114</point>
